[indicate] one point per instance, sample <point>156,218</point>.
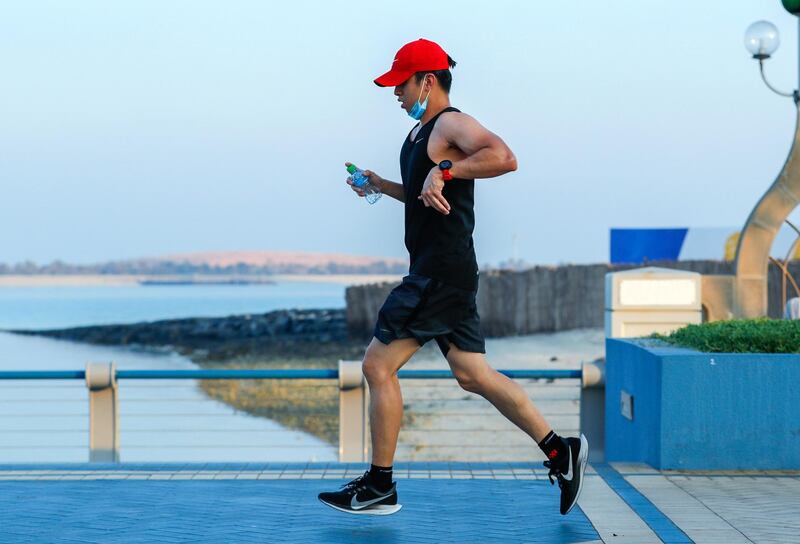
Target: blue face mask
<point>418,110</point>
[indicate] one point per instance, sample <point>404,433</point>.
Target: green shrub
<point>761,335</point>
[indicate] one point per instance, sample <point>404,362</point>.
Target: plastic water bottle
<point>371,193</point>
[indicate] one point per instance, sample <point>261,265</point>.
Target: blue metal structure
<point>275,374</point>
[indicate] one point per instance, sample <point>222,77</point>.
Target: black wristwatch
<point>445,167</point>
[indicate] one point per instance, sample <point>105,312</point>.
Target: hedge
<point>760,335</point>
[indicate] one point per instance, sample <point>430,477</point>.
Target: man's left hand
<point>431,193</point>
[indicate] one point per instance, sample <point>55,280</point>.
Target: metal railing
<point>102,383</point>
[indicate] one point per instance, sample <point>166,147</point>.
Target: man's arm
<point>390,188</point>
<point>488,155</point>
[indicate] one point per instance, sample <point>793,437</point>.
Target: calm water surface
<point>160,420</point>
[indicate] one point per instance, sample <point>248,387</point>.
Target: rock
<point>284,326</point>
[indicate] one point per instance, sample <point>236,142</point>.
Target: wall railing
<point>102,382</point>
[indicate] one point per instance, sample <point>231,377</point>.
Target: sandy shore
<point>123,279</point>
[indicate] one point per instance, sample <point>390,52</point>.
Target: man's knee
<point>375,369</point>
<point>470,370</point>
<point>474,382</point>
<point>381,361</point>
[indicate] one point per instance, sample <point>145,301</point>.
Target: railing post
<point>353,413</point>
<point>101,379</point>
<point>593,408</point>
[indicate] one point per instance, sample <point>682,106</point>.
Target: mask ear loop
<point>422,89</point>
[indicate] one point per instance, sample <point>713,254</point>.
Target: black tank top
<point>440,246</point>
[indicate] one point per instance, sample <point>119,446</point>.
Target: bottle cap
<point>352,169</point>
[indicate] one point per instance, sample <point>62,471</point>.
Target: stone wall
<point>545,298</point>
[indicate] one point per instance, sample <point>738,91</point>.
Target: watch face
<point>445,165</point>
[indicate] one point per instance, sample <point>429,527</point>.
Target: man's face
<point>407,93</point>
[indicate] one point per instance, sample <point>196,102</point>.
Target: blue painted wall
<point>624,439</point>
<point>696,410</point>
<point>636,245</point>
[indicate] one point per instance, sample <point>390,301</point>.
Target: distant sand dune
<point>124,279</point>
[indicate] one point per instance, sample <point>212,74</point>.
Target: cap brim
<point>393,78</point>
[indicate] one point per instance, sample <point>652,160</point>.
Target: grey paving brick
<point>763,509</point>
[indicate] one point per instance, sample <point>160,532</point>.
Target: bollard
<point>593,408</point>
<point>353,413</point>
<point>101,379</point>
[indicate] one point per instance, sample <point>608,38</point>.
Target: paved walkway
<point>468,502</point>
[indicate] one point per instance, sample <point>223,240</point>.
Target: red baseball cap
<point>417,56</point>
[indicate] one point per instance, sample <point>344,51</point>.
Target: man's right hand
<point>373,178</point>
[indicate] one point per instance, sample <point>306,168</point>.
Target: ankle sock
<point>380,477</point>
<point>555,448</point>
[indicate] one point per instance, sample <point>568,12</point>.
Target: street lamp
<point>761,39</point>
<point>744,293</point>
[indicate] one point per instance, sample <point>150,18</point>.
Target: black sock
<point>381,477</point>
<point>555,448</point>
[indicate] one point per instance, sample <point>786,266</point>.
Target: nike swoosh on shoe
<point>568,475</point>
<point>356,504</point>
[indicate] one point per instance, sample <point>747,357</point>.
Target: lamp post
<point>744,294</point>
<point>761,39</point>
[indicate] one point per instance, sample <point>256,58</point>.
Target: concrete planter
<point>683,409</point>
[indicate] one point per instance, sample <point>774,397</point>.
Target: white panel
<point>632,323</point>
<point>667,292</point>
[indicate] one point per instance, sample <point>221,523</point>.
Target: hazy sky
<point>141,128</point>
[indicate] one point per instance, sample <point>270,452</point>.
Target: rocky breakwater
<point>277,331</point>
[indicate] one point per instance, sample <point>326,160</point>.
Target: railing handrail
<point>102,382</point>
<point>281,374</point>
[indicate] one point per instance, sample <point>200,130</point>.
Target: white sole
<point>375,510</point>
<point>583,457</point>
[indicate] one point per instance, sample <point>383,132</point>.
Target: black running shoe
<point>570,481</point>
<point>359,497</point>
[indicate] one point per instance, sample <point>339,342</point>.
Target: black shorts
<point>424,308</point>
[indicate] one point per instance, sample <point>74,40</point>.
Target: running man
<point>439,162</point>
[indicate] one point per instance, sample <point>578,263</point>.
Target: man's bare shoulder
<point>452,123</point>
<point>455,118</point>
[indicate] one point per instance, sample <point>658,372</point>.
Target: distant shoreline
<point>93,280</point>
